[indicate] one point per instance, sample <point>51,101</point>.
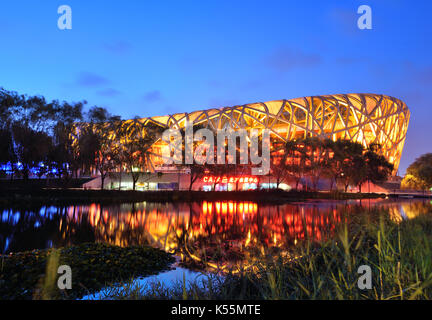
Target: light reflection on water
<point>167,280</point>
<point>213,234</point>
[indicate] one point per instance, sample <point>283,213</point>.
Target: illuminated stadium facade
<point>364,118</point>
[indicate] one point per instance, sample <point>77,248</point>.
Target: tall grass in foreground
<point>399,254</point>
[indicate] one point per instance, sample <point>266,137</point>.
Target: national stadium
<point>364,118</point>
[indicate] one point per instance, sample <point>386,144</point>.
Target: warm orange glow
<point>230,179</point>
<point>237,224</point>
<point>364,118</point>
<point>233,230</point>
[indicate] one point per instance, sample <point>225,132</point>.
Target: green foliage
<point>31,274</point>
<point>419,173</point>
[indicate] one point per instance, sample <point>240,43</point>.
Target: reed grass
<point>399,254</point>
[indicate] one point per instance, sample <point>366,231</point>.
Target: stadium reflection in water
<point>207,234</point>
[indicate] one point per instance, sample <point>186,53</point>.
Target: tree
<point>95,142</point>
<point>7,153</point>
<point>413,182</point>
<point>346,155</point>
<point>64,157</point>
<point>278,162</point>
<point>330,168</point>
<point>351,164</point>
<point>32,147</point>
<point>294,160</point>
<point>196,170</point>
<point>132,146</point>
<point>42,120</point>
<point>7,101</point>
<point>358,174</point>
<point>419,173</point>
<point>278,169</point>
<point>342,161</point>
<point>378,169</point>
<point>87,147</point>
<point>98,115</point>
<point>317,153</point>
<point>104,161</point>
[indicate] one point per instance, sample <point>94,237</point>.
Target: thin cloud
<point>286,59</point>
<point>109,92</point>
<point>349,60</point>
<point>221,102</point>
<point>152,96</point>
<point>118,47</point>
<point>424,76</point>
<point>87,79</point>
<point>344,19</point>
<point>419,75</point>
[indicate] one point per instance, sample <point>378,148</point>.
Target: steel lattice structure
<point>364,118</point>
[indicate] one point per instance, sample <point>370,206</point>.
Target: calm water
<point>210,234</point>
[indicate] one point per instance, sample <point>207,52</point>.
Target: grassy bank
<point>400,257</point>
<point>74,196</point>
<point>33,274</point>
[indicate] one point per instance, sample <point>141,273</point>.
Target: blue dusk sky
<point>146,58</point>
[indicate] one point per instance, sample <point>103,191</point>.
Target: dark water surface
<point>227,231</point>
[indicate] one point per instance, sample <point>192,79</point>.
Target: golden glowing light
<point>364,118</point>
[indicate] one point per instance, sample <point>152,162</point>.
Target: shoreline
<point>69,196</point>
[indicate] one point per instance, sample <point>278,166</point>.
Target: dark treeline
<point>342,162</point>
<point>60,139</point>
<point>308,161</point>
<point>35,134</point>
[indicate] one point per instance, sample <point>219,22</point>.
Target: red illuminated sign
<point>224,179</point>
